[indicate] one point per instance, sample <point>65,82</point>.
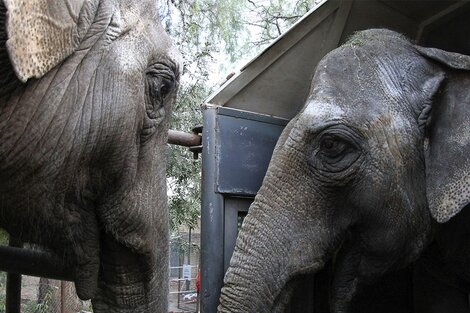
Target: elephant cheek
<point>129,282</point>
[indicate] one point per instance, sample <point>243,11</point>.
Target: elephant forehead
<point>322,111</point>
<point>378,124</point>
<point>133,11</point>
<point>141,42</point>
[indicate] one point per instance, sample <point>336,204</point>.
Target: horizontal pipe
<point>33,263</point>
<point>176,137</point>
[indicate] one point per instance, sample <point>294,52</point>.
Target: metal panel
<point>377,14</point>
<point>449,30</point>
<point>247,142</point>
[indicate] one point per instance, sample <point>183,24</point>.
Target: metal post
<point>62,296</point>
<point>188,281</point>
<point>212,218</point>
<point>13,290</point>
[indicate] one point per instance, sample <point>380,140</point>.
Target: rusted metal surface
<point>176,137</point>
<point>191,140</point>
<point>33,263</point>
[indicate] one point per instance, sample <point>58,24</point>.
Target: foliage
<point>184,176</point>
<point>202,28</point>
<point>210,32</point>
<point>3,237</point>
<point>43,306</point>
<point>271,18</point>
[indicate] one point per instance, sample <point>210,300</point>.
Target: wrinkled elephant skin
<point>86,91</point>
<point>366,175</point>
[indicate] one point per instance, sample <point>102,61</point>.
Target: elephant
<point>86,93</point>
<point>371,174</point>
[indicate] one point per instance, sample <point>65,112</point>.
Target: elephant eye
<point>161,87</point>
<point>165,87</point>
<point>335,153</point>
<point>333,147</point>
<point>336,150</point>
<point>162,81</point>
<point>160,84</point>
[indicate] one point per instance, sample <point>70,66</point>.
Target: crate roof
<point>277,81</point>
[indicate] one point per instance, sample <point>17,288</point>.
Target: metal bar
<point>176,137</point>
<point>13,290</point>
<point>182,279</point>
<point>212,218</point>
<point>33,263</point>
<point>62,296</point>
<point>13,294</point>
<point>188,281</point>
<point>176,267</point>
<point>181,292</point>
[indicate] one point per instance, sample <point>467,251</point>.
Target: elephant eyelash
<point>163,70</point>
<point>336,139</point>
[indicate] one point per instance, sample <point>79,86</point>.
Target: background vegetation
<point>215,37</point>
<point>3,275</point>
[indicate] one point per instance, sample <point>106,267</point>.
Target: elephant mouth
<point>301,283</point>
<point>284,297</point>
<point>298,285</point>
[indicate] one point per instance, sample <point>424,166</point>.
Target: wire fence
<point>184,268</point>
<point>184,296</point>
<point>42,295</point>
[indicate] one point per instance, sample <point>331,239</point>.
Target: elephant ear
<point>42,33</point>
<point>447,152</point>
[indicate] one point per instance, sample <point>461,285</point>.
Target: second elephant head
<point>375,159</point>
<point>86,93</point>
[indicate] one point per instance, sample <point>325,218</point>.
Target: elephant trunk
<point>252,279</point>
<point>273,248</point>
<point>130,282</point>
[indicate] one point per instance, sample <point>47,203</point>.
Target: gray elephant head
<point>86,91</point>
<point>361,175</point>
